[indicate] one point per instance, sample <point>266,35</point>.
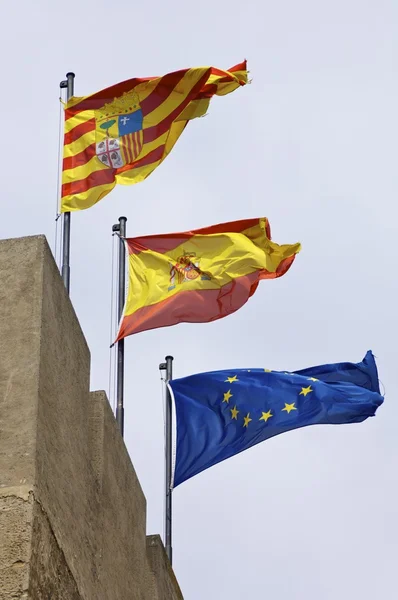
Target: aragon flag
<point>121,134</point>
<point>199,276</point>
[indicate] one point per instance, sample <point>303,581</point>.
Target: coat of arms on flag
<point>186,268</point>
<point>119,135</point>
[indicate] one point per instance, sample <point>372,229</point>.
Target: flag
<point>199,276</point>
<point>121,134</point>
<point>222,413</point>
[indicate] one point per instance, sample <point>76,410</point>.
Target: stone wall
<point>72,511</point>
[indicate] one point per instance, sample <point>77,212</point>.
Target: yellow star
<point>268,370</point>
<point>312,379</point>
<point>234,413</point>
<point>289,407</point>
<point>232,379</point>
<point>227,396</point>
<point>305,391</point>
<point>266,416</point>
<point>247,420</point>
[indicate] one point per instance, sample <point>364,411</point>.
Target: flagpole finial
<point>121,226</point>
<point>68,83</point>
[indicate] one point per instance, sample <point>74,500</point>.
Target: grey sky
<point>312,145</point>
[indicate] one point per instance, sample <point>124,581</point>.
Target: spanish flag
<point>121,134</point>
<point>199,276</point>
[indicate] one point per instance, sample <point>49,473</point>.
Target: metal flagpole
<point>69,84</point>
<point>168,367</point>
<point>121,228</point>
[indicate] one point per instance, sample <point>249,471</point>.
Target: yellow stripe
<point>81,117</point>
<point>136,175</point>
<point>86,199</point>
<point>226,88</point>
<point>92,196</point>
<point>81,144</point>
<point>177,96</point>
<point>175,131</point>
<point>95,165</point>
<point>139,174</point>
<point>146,88</point>
<point>196,108</point>
<point>84,171</point>
<point>143,89</point>
<point>223,256</point>
<point>147,148</point>
<point>237,75</point>
<point>229,86</point>
<point>89,138</point>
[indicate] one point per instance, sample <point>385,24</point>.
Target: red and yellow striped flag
<point>199,276</point>
<point>121,134</point>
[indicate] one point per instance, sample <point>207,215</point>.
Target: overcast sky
<point>312,145</point>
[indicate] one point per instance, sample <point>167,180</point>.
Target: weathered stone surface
<point>15,542</point>
<point>21,272</point>
<point>123,516</point>
<point>166,585</point>
<point>50,578</point>
<point>72,512</point>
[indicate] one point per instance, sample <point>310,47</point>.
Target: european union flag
<point>222,413</point>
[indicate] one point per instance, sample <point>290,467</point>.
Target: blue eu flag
<point>222,413</point>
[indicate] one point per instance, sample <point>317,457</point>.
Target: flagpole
<point>121,228</point>
<point>168,367</point>
<point>69,84</point>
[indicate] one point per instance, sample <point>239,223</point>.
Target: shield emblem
<point>109,153</point>
<point>131,145</point>
<point>119,135</point>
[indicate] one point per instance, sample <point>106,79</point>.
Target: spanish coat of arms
<point>186,268</point>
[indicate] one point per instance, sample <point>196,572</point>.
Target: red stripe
<point>165,242</point>
<point>208,91</point>
<point>77,132</point>
<point>225,75</point>
<point>239,67</point>
<point>127,142</point>
<point>164,88</point>
<point>80,159</point>
<point>152,133</point>
<point>193,306</point>
<point>132,147</point>
<point>152,157</point>
<point>135,148</point>
<point>160,93</point>
<point>98,99</point>
<point>108,175</point>
<point>211,88</point>
<point>282,268</point>
<point>93,180</point>
<point>136,144</point>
